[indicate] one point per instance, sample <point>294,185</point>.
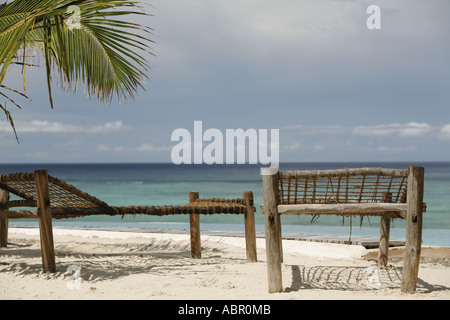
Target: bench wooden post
<point>249,222</point>
<point>4,196</point>
<point>45,221</point>
<point>194,220</point>
<point>272,232</point>
<point>413,229</point>
<point>385,226</point>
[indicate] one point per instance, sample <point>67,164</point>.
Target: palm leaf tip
<point>10,119</point>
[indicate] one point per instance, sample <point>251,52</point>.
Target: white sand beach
<point>129,265</point>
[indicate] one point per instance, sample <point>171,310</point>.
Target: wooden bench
<point>56,199</point>
<point>387,193</point>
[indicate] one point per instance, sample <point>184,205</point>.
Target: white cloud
<point>386,139</point>
<point>411,129</point>
<point>105,148</point>
<point>38,126</point>
<point>70,143</point>
<point>293,146</point>
<point>384,148</point>
<point>319,147</point>
<point>151,147</point>
<point>444,133</point>
<point>146,147</point>
<point>317,129</point>
<point>107,127</point>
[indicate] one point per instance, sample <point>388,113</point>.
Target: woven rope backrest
<point>62,194</point>
<point>342,186</point>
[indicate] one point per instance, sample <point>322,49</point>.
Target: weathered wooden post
<point>413,229</point>
<point>45,221</point>
<point>249,222</point>
<point>4,197</point>
<point>194,220</point>
<point>272,231</point>
<point>385,226</point>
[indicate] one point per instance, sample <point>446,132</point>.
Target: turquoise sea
<point>169,184</point>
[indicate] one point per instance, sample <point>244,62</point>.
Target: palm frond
<point>106,54</point>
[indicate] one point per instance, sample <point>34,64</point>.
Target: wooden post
<point>279,235</point>
<point>249,221</point>
<point>4,196</point>
<point>45,221</point>
<point>413,229</point>
<point>194,220</point>
<point>273,236</point>
<point>385,226</point>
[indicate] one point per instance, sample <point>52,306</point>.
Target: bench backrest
<point>365,185</point>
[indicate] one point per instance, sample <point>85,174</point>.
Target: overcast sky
<point>336,90</point>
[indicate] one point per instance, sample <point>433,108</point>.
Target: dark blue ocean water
<point>169,184</point>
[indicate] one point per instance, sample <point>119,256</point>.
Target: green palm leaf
<point>105,53</point>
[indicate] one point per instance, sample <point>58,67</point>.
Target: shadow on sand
<point>107,262</point>
<point>352,278</point>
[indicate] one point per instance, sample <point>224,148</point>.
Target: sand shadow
<point>351,278</point>
<point>109,261</point>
